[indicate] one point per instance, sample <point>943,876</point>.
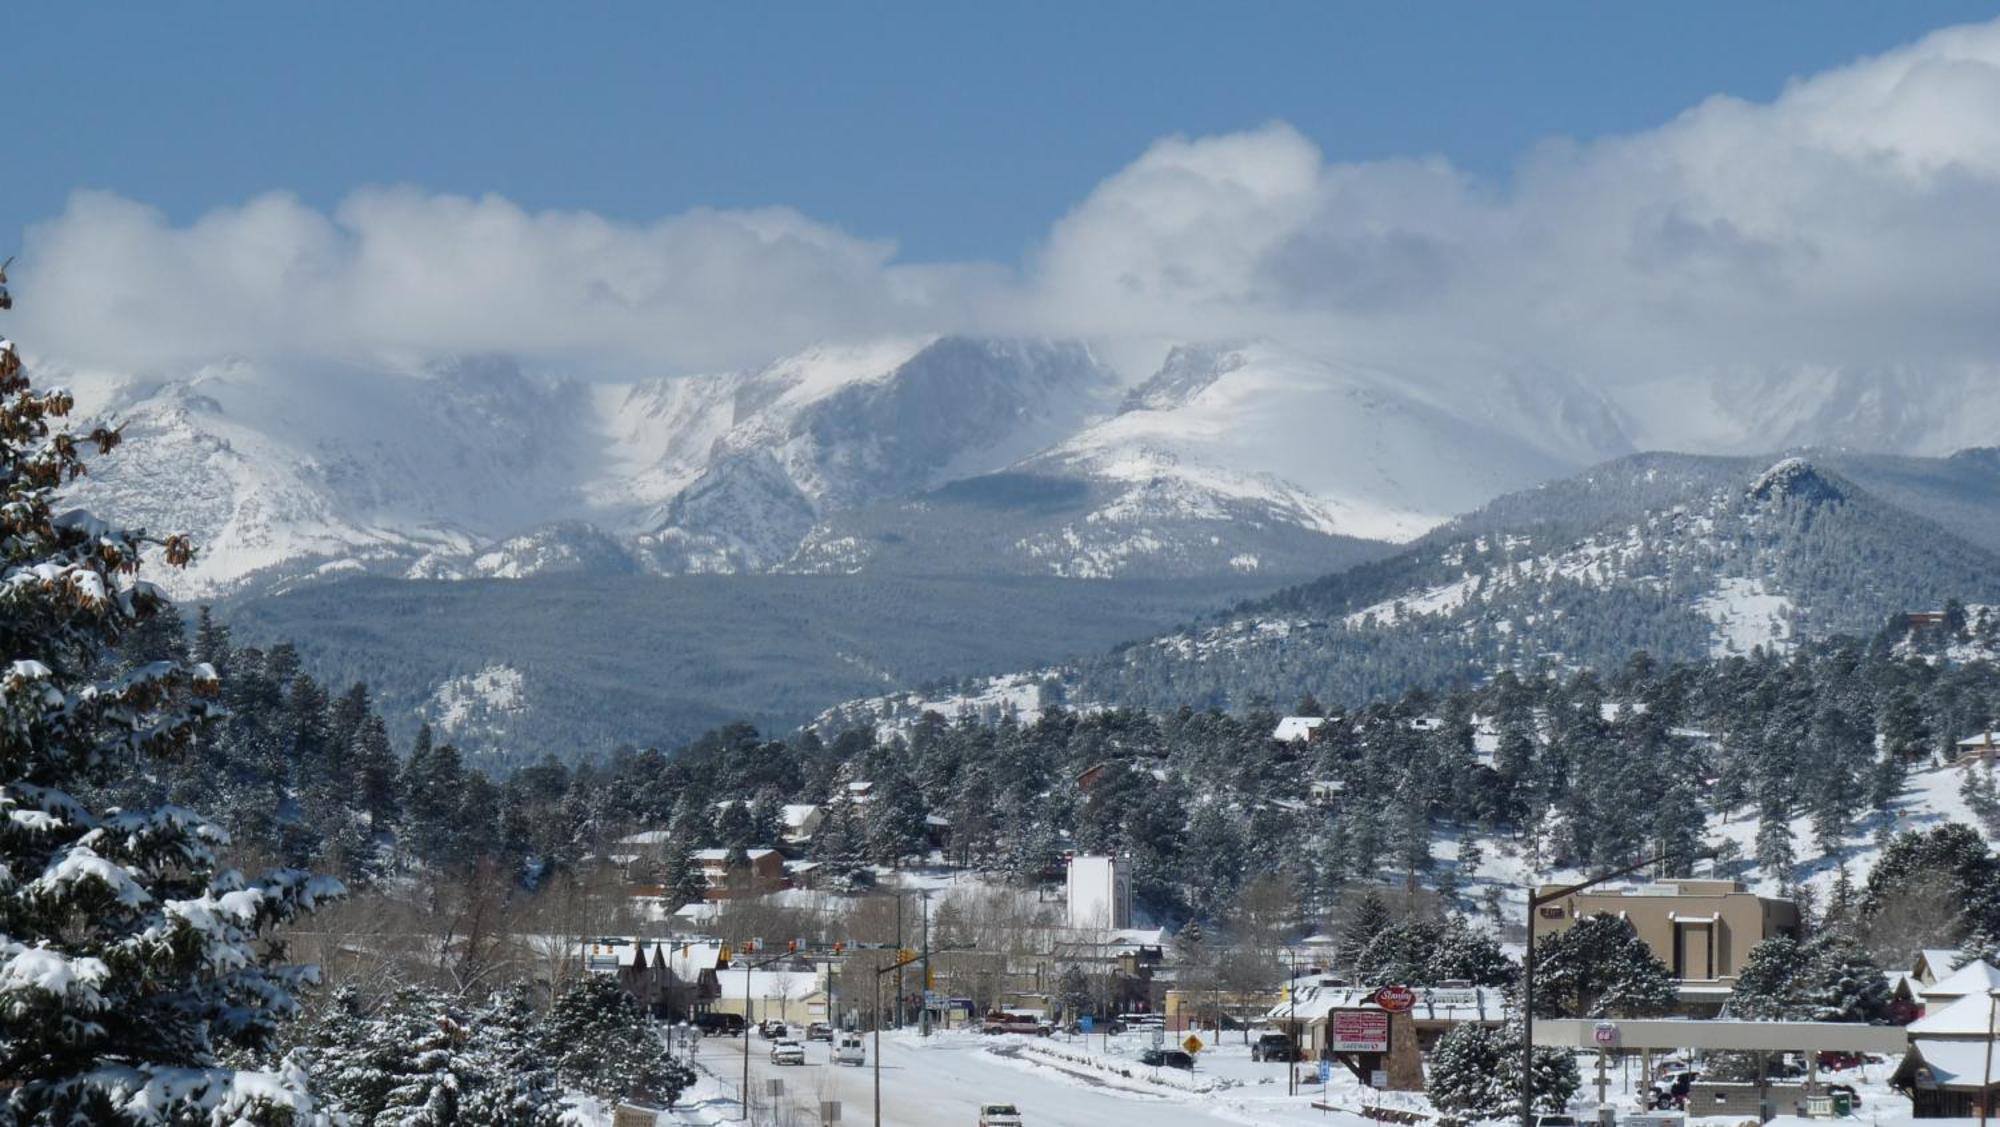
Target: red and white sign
<point>1396,999</point>
<point>1359,1031</point>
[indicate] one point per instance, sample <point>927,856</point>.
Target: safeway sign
<point>1360,1031</point>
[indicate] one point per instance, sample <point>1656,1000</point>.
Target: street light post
<point>1535,902</point>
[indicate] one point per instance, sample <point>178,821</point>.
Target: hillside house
<point>801,820</point>
<point>758,871</point>
<point>1297,729</point>
<point>1980,750</point>
<point>641,966</point>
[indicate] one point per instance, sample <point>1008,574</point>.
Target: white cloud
<point>1854,222</point>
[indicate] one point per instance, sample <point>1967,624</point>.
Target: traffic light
<point>791,947</point>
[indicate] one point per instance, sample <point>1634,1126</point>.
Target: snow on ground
<point>477,704</point>
<point>1746,615</point>
<point>945,1078</point>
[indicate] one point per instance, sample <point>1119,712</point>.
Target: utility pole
<point>1986,1077</point>
<point>1535,902</point>
<point>924,1011</point>
<point>747,968</point>
<point>902,960</point>
<point>1292,1023</point>
<point>899,965</point>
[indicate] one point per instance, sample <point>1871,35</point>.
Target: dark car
<point>719,1025</point>
<point>1273,1046</point>
<point>1853,1096</point>
<point>1167,1058</point>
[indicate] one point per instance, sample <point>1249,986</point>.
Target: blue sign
<point>1085,1022</point>
<point>1325,1071</point>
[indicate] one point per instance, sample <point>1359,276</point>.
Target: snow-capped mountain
<point>941,455</point>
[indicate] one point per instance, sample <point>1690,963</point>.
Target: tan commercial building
<point>1702,929</point>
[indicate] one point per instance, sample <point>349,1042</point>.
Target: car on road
<point>787,1051</point>
<point>719,1025</point>
<point>1274,1046</point>
<point>850,1049</point>
<point>1555,1121</point>
<point>1167,1058</point>
<point>772,1030</point>
<point>999,1115</point>
<point>819,1031</point>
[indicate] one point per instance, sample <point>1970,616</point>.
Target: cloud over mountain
<point>1850,224</point>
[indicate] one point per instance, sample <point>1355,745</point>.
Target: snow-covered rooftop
<point>1967,1017</point>
<point>1958,1063</point>
<point>1293,729</point>
<point>720,855</point>
<point>1976,977</point>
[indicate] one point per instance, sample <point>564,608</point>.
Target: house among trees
<point>1981,749</point>
<point>737,873</point>
<point>801,821</point>
<point>1933,963</point>
<point>1297,729</point>
<point>1976,979</point>
<point>1701,929</point>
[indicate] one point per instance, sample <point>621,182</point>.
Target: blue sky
<point>959,131</point>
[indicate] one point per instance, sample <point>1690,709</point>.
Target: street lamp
<point>1535,902</point>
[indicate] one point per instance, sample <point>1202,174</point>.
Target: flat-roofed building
<point>1701,929</point>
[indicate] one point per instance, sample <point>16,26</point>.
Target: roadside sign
<point>1086,1023</point>
<point>1360,1031</point>
<point>1396,999</point>
<point>1378,1079</point>
<point>1605,1033</point>
<point>1159,1038</point>
<point>1325,1071</point>
<point>1192,1044</point>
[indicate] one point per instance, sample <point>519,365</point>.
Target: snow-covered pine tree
<point>599,1040</point>
<point>1370,918</point>
<point>1475,1071</point>
<point>1598,967</point>
<point>128,960</point>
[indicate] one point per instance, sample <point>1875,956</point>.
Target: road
<point>944,1081</point>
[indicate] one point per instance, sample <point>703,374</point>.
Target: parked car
<point>819,1031</point>
<point>719,1025</point>
<point>1167,1058</point>
<point>1274,1046</point>
<point>850,1049</point>
<point>772,1029</point>
<point>1837,1061</point>
<point>999,1115</point>
<point>787,1051</point>
<point>997,1022</point>
<point>1555,1121</point>
<point>1853,1096</point>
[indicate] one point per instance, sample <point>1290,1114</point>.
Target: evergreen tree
<point>1599,967</point>
<point>1475,1071</point>
<point>600,1040</point>
<point>129,962</point>
<point>1370,919</point>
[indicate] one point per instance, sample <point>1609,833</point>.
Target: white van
<point>848,1049</point>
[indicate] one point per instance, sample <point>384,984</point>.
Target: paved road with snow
<point>945,1080</point>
